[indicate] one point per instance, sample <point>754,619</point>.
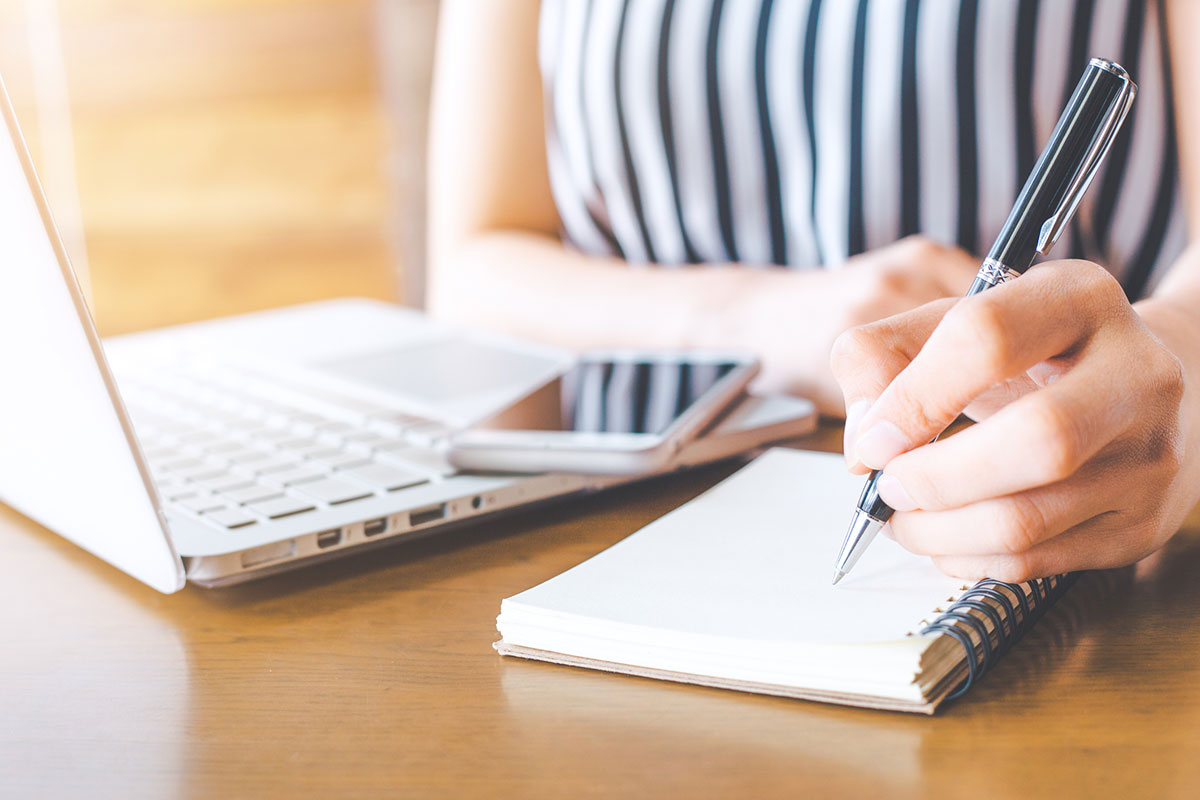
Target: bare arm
<point>496,260</point>
<point>1181,286</point>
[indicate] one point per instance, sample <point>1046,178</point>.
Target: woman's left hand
<point>1080,458</point>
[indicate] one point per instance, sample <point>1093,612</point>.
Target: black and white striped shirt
<point>802,132</point>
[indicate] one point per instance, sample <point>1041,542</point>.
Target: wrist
<point>1176,326</point>
<point>1179,330</point>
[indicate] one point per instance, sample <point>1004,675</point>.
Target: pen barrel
<point>1102,87</point>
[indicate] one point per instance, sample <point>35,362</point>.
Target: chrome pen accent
<point>994,273</point>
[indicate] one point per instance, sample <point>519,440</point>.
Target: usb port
<point>424,515</point>
<point>329,538</point>
<point>374,527</point>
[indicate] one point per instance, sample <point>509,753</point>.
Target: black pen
<point>1041,212</point>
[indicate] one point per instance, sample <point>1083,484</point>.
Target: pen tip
<point>837,576</point>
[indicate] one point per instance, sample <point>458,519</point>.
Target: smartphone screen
<point>614,395</point>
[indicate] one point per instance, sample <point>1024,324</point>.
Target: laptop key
<point>278,507</point>
<point>333,491</point>
<point>224,482</point>
<point>229,518</point>
<point>337,459</point>
<point>198,471</point>
<point>367,437</point>
<point>245,455</point>
<point>275,435</point>
<point>251,494</point>
<point>200,503</point>
<point>303,448</point>
<point>273,463</point>
<point>383,476</point>
<point>224,447</point>
<point>178,462</point>
<point>290,477</point>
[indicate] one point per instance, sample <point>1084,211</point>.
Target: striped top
<point>802,132</point>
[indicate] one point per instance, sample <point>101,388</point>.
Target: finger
<point>999,396</point>
<point>865,359</point>
<point>981,341</point>
<point>1104,542</point>
<point>1039,439</point>
<point>1014,524</point>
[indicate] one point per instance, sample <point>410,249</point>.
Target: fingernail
<point>894,494</point>
<point>882,442</point>
<point>854,415</point>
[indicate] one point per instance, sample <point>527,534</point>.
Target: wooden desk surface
<point>376,675</point>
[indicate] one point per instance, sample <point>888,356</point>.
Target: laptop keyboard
<point>235,449</point>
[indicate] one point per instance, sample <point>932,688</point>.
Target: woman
<point>873,148</point>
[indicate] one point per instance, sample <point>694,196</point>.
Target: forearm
<point>530,285</point>
<point>1171,314</point>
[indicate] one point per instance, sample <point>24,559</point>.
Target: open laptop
<point>262,441</point>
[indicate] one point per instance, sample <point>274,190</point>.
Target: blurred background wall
<point>232,155</point>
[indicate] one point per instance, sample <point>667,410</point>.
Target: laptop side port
<point>423,515</point>
<point>329,538</point>
<point>264,554</point>
<point>374,527</point>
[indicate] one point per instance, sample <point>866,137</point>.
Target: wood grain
<point>376,675</point>
<point>230,155</point>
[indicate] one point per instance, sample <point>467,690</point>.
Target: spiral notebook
<point>733,590</point>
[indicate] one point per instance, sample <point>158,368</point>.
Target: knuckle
<point>1164,450</point>
<point>981,323</point>
<point>1169,380</point>
<point>1105,286</point>
<point>923,485</point>
<point>1173,457</point>
<point>890,281</point>
<point>1016,568</point>
<point>905,530</point>
<point>1100,286</point>
<point>1163,446</point>
<point>919,246</point>
<point>878,296</point>
<point>851,349</point>
<point>916,413</point>
<point>1056,454</point>
<point>1022,525</point>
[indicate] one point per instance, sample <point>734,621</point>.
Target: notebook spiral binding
<point>971,613</point>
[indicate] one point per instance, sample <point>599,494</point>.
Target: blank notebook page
<point>749,560</point>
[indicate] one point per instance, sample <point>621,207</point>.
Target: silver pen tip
<point>837,576</point>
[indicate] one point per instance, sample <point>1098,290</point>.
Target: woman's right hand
<point>796,326</point>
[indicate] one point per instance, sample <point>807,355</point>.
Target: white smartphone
<point>612,413</point>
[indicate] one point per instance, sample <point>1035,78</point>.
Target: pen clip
<point>1053,227</point>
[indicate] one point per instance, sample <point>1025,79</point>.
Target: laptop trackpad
<point>441,371</point>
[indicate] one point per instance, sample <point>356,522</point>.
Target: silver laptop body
<point>229,449</point>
